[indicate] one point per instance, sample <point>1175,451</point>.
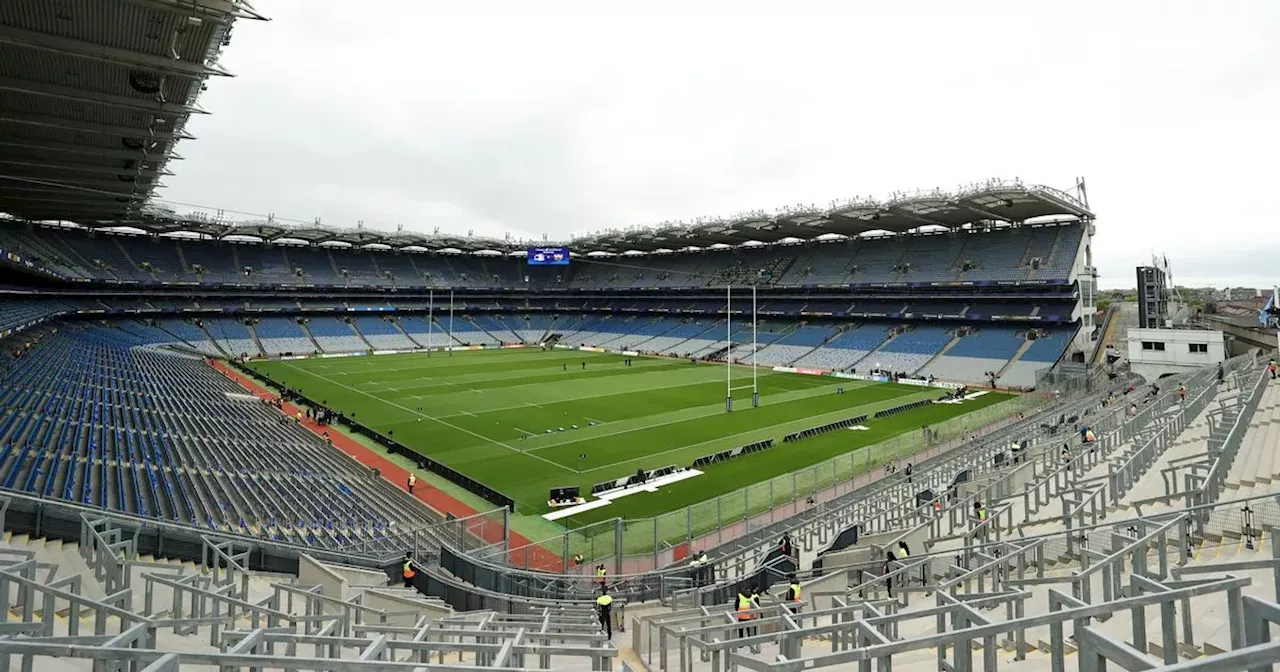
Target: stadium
<point>881,432</point>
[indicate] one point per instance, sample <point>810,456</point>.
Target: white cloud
<point>563,117</point>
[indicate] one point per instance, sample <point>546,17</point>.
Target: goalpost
<point>728,339</point>
<point>728,359</point>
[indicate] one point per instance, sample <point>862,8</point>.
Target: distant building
<point>1153,297</point>
<point>1161,352</point>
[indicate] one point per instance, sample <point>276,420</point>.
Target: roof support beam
<point>96,97</point>
<point>81,184</point>
<point>103,54</point>
<point>854,222</point>
<point>41,145</point>
<point>61,203</point>
<point>81,168</point>
<point>117,217</point>
<point>23,193</point>
<point>216,10</point>
<point>104,129</point>
<point>902,212</point>
<point>981,211</point>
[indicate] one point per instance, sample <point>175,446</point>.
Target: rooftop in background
<point>95,93</point>
<point>997,202</point>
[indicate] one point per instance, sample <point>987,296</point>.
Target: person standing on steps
<point>413,480</point>
<point>406,570</point>
<point>604,605</point>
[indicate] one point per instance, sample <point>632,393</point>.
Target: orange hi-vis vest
<point>408,569</point>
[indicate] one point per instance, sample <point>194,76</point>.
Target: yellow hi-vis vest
<point>982,514</point>
<point>903,554</point>
<point>795,592</point>
<point>604,600</point>
<point>408,569</point>
<point>600,572</point>
<point>744,605</point>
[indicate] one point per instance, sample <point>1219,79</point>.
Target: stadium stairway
<point>253,333</point>
<point>209,335</point>
<point>486,332</point>
<point>950,344</point>
<point>354,330</point>
<point>306,328</point>
<point>407,335</point>
<point>1017,356</point>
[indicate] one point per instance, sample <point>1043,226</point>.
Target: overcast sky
<point>573,118</point>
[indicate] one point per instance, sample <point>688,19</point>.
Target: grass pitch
<point>486,414</point>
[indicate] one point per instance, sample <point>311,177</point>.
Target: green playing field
<point>525,421</point>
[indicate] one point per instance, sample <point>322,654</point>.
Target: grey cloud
<point>472,118</point>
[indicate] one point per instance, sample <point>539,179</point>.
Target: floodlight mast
<point>728,335</point>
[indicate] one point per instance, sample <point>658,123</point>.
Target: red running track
<point>523,554</point>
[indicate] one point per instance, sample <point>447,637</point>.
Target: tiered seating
<point>984,349</point>
<point>190,335</point>
<point>846,350</point>
<point>148,434</point>
<point>910,350</point>
<point>334,335</point>
<point>765,334</point>
<point>314,262</point>
<point>467,332</point>
<point>212,263</point>
<point>643,330</point>
<point>17,314</point>
<point>280,335</point>
<point>382,334</point>
<point>107,254</point>
<point>593,331</point>
<point>795,345</point>
<point>427,336</point>
<point>233,337</point>
<point>530,328</point>
<point>1005,254</point>
<point>680,331</point>
<point>1041,354</point>
<point>495,328</point>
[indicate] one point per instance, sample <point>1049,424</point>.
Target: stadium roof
<point>93,96</point>
<point>995,201</point>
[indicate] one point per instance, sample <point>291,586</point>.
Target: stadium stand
<point>910,349</point>
<point>381,334</point>
<point>1037,255</point>
<point>281,335</point>
<point>147,499</point>
<point>89,419</point>
<point>332,334</point>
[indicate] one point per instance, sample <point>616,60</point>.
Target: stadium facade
<point>146,497</point>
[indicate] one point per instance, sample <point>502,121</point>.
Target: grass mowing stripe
<point>761,418</point>
<point>666,408</point>
<point>496,382</point>
<point>443,422</point>
<point>866,409</point>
